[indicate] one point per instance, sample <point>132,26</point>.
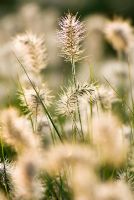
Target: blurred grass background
<point>84,7</point>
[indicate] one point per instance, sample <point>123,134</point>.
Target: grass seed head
<point>70,36</point>
<point>67,104</point>
<point>25,176</point>
<point>117,190</point>
<point>33,101</point>
<point>16,130</point>
<point>32,50</point>
<point>62,156</point>
<point>105,97</point>
<point>109,139</point>
<point>120,34</point>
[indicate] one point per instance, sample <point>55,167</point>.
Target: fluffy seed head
<point>25,176</point>
<point>70,37</point>
<point>113,190</point>
<point>120,34</point>
<point>105,96</point>
<point>31,99</point>
<point>5,166</point>
<point>16,130</point>
<point>32,50</point>
<point>126,176</point>
<point>109,139</point>
<point>84,183</point>
<point>62,156</point>
<point>68,101</point>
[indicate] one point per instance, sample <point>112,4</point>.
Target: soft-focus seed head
<point>109,139</point>
<point>16,130</point>
<point>31,98</point>
<point>113,190</point>
<point>67,104</point>
<point>25,175</point>
<point>127,177</point>
<point>84,183</point>
<point>61,156</point>
<point>105,96</point>
<point>120,34</point>
<point>32,50</point>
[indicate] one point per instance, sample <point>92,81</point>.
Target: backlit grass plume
<point>108,137</point>
<point>70,35</point>
<point>127,176</point>
<point>30,100</point>
<point>25,176</point>
<point>32,50</point>
<point>105,97</point>
<point>119,33</point>
<point>67,104</point>
<point>16,130</point>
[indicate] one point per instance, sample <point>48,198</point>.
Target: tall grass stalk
<point>78,108</point>
<point>130,79</point>
<point>43,105</point>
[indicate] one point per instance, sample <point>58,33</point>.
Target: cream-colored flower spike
<point>119,33</point>
<point>16,130</point>
<point>32,50</point>
<point>33,101</point>
<point>68,100</point>
<point>70,36</point>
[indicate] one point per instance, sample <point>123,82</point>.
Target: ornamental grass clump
<point>71,34</point>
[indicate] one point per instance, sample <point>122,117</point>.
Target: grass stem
<point>78,108</point>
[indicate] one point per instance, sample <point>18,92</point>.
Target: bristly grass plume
<point>30,98</point>
<point>67,104</point>
<point>70,36</point>
<point>119,33</point>
<point>33,51</point>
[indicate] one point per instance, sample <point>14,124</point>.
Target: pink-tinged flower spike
<point>70,36</point>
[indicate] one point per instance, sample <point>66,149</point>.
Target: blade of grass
<point>119,95</point>
<point>78,107</point>
<point>43,105</point>
<point>30,117</point>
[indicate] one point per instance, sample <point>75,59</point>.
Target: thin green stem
<point>43,105</point>
<point>75,128</point>
<point>120,55</point>
<point>36,118</point>
<point>131,93</point>
<point>130,79</point>
<point>123,101</point>
<point>52,136</point>
<point>75,84</point>
<point>91,115</point>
